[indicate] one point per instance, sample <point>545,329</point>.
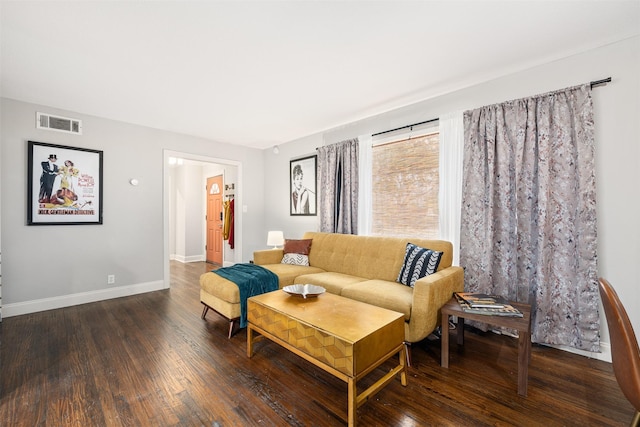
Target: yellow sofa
<point>365,268</point>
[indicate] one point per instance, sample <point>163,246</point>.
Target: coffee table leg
<point>249,341</point>
<point>352,406</point>
<point>403,365</point>
<point>444,342</point>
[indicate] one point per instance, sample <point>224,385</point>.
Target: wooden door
<point>215,213</point>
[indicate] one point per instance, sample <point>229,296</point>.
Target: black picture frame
<point>64,185</point>
<point>303,189</point>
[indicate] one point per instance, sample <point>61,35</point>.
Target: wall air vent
<point>58,123</point>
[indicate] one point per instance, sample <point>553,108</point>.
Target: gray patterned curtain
<point>338,181</point>
<point>528,226</point>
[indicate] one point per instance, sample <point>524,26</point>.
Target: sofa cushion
<point>287,272</point>
<point>370,257</point>
<point>332,282</point>
<point>418,262</point>
<point>382,293</point>
<point>297,246</point>
<point>295,259</point>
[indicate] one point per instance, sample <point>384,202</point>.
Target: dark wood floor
<point>150,360</point>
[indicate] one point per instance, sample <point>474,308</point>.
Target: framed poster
<point>64,185</point>
<point>302,173</point>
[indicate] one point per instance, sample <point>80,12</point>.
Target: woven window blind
<point>405,187</point>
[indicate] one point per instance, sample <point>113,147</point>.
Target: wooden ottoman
<point>222,296</point>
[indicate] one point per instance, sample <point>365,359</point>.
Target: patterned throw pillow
<point>295,259</point>
<point>418,262</point>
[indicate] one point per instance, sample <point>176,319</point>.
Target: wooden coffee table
<point>346,338</point>
<point>521,324</point>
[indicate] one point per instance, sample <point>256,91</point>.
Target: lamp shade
<point>275,239</point>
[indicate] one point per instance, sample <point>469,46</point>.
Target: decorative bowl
<point>304,291</point>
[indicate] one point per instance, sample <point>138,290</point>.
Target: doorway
<point>182,231</point>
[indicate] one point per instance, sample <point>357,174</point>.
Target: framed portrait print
<point>302,174</point>
<point>64,185</point>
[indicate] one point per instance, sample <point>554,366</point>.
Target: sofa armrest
<point>430,293</point>
<point>268,256</point>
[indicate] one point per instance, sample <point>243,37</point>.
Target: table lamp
<point>275,239</point>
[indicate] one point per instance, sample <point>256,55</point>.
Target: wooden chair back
<point>625,352</point>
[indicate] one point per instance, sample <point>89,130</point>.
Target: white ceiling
<point>266,72</point>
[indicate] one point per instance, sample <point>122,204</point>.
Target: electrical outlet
<point>111,279</point>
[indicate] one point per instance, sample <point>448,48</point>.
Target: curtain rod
<point>593,83</point>
<point>404,127</point>
<point>600,82</point>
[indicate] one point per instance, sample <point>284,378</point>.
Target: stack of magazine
<point>490,305</point>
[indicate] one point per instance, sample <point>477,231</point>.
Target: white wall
<point>55,266</point>
<point>277,189</point>
<point>188,194</point>
<point>617,119</point>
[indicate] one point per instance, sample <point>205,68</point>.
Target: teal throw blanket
<point>251,280</point>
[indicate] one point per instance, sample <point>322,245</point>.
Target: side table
<point>521,324</point>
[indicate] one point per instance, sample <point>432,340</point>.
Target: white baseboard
<point>185,259</point>
<point>44,304</point>
<point>604,355</point>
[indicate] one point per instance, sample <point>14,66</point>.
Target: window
<point>405,186</point>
